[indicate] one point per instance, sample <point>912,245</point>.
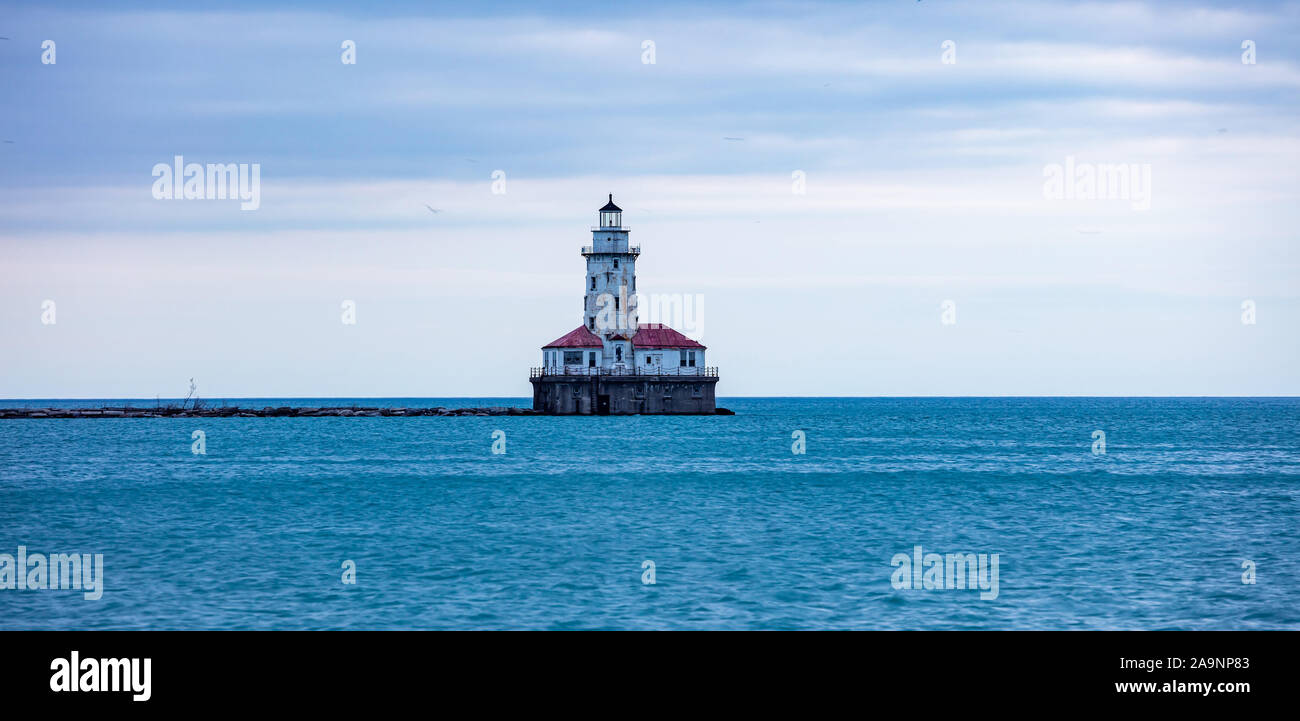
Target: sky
<point>855,196</point>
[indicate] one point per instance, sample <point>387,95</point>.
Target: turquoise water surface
<point>743,533</point>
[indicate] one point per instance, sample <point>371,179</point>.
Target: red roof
<point>658,335</point>
<point>579,337</point>
<point>648,335</point>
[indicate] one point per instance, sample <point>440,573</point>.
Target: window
<point>647,360</point>
<point>616,264</point>
<point>593,282</point>
<point>591,359</point>
<point>616,304</point>
<point>683,359</point>
<point>688,359</point>
<point>572,357</point>
<point>591,323</point>
<point>618,353</point>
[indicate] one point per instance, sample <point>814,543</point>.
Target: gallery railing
<point>573,370</point>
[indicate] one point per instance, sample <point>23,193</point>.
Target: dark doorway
<point>602,405</point>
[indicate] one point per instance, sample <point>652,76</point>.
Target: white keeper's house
<point>612,364</point>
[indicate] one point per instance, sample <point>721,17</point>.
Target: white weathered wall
<point>670,362</point>
<point>553,358</point>
<point>620,284</point>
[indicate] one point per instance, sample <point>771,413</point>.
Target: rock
<point>269,412</point>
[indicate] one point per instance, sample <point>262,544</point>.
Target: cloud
<point>924,180</point>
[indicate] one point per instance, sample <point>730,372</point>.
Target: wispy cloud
<point>923,179</point>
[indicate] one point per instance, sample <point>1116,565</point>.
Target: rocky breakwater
<point>267,412</point>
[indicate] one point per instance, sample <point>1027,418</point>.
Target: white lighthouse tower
<point>609,306</point>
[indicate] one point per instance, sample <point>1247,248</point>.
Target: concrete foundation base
<point>624,395</point>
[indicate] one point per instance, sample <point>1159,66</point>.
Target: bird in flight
<point>433,210</point>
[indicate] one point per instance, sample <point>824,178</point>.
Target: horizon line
<point>745,397</point>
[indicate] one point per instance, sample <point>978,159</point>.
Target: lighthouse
<point>612,364</point>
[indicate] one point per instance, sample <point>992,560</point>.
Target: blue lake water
<point>742,532</point>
